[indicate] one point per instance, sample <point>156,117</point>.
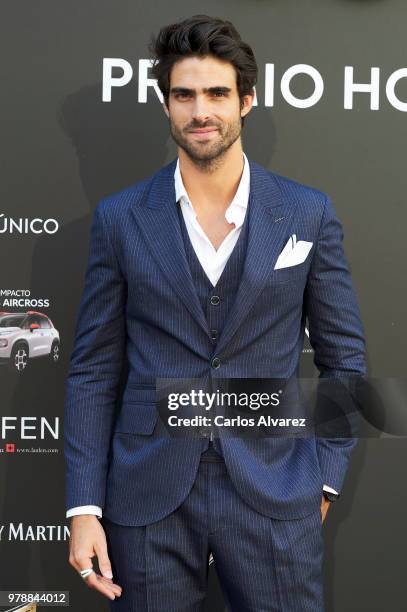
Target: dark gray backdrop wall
<point>62,148</point>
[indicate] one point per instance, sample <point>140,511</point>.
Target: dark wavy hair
<point>201,35</point>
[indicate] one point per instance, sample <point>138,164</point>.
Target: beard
<point>207,155</point>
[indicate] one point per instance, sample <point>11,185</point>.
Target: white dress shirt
<point>212,261</point>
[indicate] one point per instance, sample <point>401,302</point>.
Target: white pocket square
<point>293,253</point>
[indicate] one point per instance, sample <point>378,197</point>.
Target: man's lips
<point>203,133</point>
<point>204,130</point>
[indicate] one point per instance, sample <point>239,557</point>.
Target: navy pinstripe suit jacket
<point>139,303</point>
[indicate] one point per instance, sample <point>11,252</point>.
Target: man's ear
<point>247,104</point>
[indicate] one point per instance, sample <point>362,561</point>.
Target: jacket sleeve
<point>94,372</point>
<point>335,331</point>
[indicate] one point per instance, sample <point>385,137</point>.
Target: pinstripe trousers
<point>263,564</point>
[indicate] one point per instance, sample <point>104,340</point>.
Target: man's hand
<point>87,540</point>
<point>324,507</point>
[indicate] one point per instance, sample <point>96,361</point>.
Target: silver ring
<point>86,573</point>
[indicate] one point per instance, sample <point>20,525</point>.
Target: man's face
<point>204,108</point>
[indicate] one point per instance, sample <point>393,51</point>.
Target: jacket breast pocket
<point>291,274</point>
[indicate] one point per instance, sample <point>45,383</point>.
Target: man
<point>207,269</point>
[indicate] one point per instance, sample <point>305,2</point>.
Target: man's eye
<point>219,93</point>
<point>182,95</point>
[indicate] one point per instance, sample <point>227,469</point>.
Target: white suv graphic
<point>27,335</point>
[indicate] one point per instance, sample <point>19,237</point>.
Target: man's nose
<point>200,111</point>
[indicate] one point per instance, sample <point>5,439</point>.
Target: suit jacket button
<point>215,362</point>
<point>215,299</point>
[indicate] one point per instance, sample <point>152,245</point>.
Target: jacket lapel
<point>270,217</point>
<point>158,220</point>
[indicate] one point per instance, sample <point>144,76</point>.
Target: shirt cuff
<point>78,510</point>
<point>330,489</point>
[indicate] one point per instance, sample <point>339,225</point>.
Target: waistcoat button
<point>215,362</point>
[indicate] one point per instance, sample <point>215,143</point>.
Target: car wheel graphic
<point>55,353</point>
<point>19,357</point>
